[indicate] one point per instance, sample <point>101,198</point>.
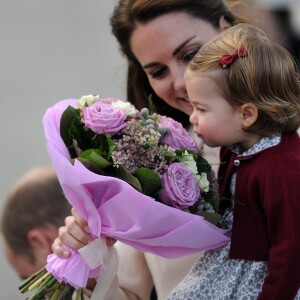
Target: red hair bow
<point>227,59</point>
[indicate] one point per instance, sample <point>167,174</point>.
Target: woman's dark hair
<point>124,19</point>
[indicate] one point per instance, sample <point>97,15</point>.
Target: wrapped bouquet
<point>134,176</point>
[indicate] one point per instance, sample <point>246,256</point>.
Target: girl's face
<point>164,47</point>
<point>214,119</point>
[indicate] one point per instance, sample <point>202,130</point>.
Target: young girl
<point>245,93</point>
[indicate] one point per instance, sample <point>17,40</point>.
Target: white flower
<point>188,160</point>
<point>87,100</point>
<point>126,106</point>
<point>203,182</point>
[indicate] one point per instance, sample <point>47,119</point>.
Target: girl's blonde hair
<point>267,76</point>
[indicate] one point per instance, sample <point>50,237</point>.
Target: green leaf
<point>122,173</point>
<point>73,129</point>
<point>111,145</point>
<point>213,218</point>
<point>151,106</point>
<point>95,157</point>
<point>89,165</point>
<point>202,164</point>
<point>68,117</point>
<point>149,180</point>
<point>213,198</point>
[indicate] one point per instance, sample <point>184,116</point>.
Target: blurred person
<point>279,19</point>
<point>33,212</point>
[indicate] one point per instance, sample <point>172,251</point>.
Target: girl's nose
<point>192,118</point>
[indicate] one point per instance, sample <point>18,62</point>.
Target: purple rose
<point>180,188</point>
<point>103,118</point>
<point>178,137</point>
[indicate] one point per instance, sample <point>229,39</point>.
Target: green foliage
<point>89,165</point>
<point>213,218</point>
<point>202,164</point>
<point>95,157</point>
<point>124,174</point>
<point>111,145</point>
<point>151,105</point>
<point>149,180</point>
<point>73,130</point>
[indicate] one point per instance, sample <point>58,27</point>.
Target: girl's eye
<point>188,56</point>
<point>158,73</point>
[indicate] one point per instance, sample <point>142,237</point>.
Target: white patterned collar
<point>264,143</point>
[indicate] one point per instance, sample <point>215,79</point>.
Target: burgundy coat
<point>266,224</point>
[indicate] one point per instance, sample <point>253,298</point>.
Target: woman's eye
<point>188,56</point>
<point>158,73</point>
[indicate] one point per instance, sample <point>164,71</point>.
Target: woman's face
<point>164,47</point>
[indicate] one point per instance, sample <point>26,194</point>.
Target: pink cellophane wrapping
<point>113,208</point>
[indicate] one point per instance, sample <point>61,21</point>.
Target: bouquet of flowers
<point>135,176</point>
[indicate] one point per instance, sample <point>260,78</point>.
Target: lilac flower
<point>103,118</point>
<point>138,146</point>
<point>177,137</point>
<point>180,188</point>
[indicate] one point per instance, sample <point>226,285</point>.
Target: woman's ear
<point>249,114</point>
<point>223,24</point>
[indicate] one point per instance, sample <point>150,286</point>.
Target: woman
<point>158,38</point>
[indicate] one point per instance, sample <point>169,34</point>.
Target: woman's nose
<point>178,79</point>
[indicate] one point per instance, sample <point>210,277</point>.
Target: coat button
<point>236,162</point>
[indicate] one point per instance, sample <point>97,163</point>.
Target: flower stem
<point>57,291</point>
<point>45,287</point>
<point>39,281</point>
<point>27,282</point>
<point>66,293</point>
<point>79,295</point>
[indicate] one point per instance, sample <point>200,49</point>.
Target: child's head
<point>256,73</point>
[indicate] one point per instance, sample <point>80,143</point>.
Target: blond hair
<point>267,77</point>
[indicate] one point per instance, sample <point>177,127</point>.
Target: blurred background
<point>52,50</point>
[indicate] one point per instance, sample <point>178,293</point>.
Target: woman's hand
<point>75,234</point>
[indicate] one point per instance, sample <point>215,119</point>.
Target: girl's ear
<point>249,113</point>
